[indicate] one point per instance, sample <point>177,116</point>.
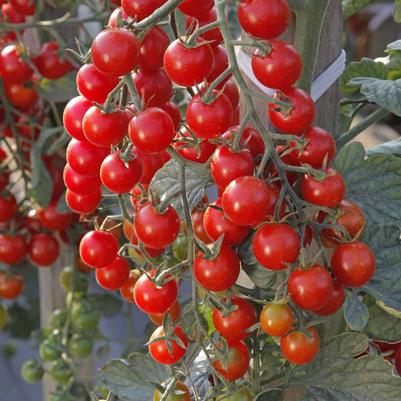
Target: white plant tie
<point>320,85</point>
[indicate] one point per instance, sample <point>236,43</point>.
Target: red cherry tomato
<point>115,16</point>
<point>174,112</point>
<point>115,51</point>
<point>397,360</point>
<point>279,69</point>
<point>237,362</point>
<point>140,9</point>
<point>73,115</point>
<point>79,183</point>
<point>43,250</point>
<point>198,218</point>
<point>353,264</point>
<point>54,220</point>
<point>83,203</point>
<point>11,286</point>
<point>161,353</point>
<point>151,163</point>
<point>152,49</point>
<point>8,207</point>
<point>156,230</point>
<point>198,154</point>
<point>276,319</point>
<point>13,68</point>
<point>335,303</point>
<point>153,253</point>
<point>13,249</point>
<point>300,348</point>
<point>214,35</point>
<point>24,7</point>
<point>98,248</point>
<point>300,116</point>
<point>173,312</point>
<point>194,8</point>
<point>21,95</point>
<point>220,65</point>
<point>311,288</point>
<point>276,245</point>
<point>155,299</point>
<point>217,274</point>
<point>250,139</point>
<point>232,92</point>
<point>113,276</point>
<point>127,289</point>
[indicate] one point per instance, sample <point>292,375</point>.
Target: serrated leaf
<point>397,11</point>
<point>166,184</point>
<point>364,68</point>
<point>350,157</point>
<point>131,379</point>
<point>382,326</point>
<point>383,92</point>
<point>356,313</point>
<point>58,90</point>
<point>392,147</point>
<point>350,7</point>
<point>260,276</point>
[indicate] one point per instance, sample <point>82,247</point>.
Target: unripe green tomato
<point>32,371</point>
<point>61,396</point>
<point>84,316</point>
<point>61,371</point>
<point>49,351</point>
<point>3,316</point>
<point>180,393</point>
<point>59,318</point>
<point>180,248</point>
<point>80,346</point>
<point>73,280</point>
<point>73,296</point>
<point>241,395</point>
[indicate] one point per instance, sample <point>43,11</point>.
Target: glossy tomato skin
<point>79,183</point>
<point>219,66</point>
<point>311,288</point>
<point>12,66</point>
<point>194,8</point>
<point>83,203</point>
<point>216,225</point>
<point>11,286</point>
<point>140,9</point>
<point>98,248</point>
<point>54,220</point>
<point>119,176</point>
<point>280,68</point>
<point>127,288</point>
<point>153,299</point>
<point>328,192</point>
<point>24,7</point>
<point>227,165</point>
<point>174,112</point>
<point>8,207</point>
<point>85,158</point>
<point>276,319</point>
<point>217,274</point>
<point>21,95</point>
<point>151,163</point>
<point>353,264</point>
<point>74,114</point>
<point>250,139</point>
<point>13,249</point>
<point>152,252</point>
<point>173,313</point>
<point>198,219</point>
<point>154,87</point>
<point>115,51</point>
<point>152,49</point>
<point>299,348</point>
<point>264,22</point>
<point>93,84</point>
<point>198,154</point>
<point>335,303</point>
<point>234,325</point>
<point>276,245</point>
<point>159,351</point>
<point>320,148</point>
<point>237,363</point>
<point>104,129</point>
<point>301,115</point>
<point>188,66</point>
<point>214,36</point>
<point>232,92</point>
<point>113,276</point>
<point>156,230</point>
<point>247,201</point>
<point>43,250</point>
<point>152,130</point>
<point>209,121</point>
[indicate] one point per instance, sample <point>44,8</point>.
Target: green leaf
<point>271,395</point>
<point>58,90</point>
<point>397,11</point>
<point>350,7</point>
<point>335,375</point>
<point>350,157</point>
<point>382,326</point>
<point>166,185</point>
<point>392,147</point>
<point>383,92</point>
<point>364,68</point>
<point>356,313</point>
<point>131,379</point>
<point>385,285</point>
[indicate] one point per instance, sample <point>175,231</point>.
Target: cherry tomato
<point>250,139</point>
<point>13,249</point>
<point>287,158</point>
<point>232,92</point>
<point>198,218</point>
<point>140,9</point>
<point>83,203</point>
<point>161,353</point>
<point>276,245</point>
<point>9,14</point>
<point>194,8</point>
<point>311,288</point>
<point>73,115</point>
<point>21,95</point>
<point>188,66</point>
<point>276,319</point>
<point>173,312</point>
<point>156,230</point>
<point>127,289</point>
<point>154,87</point>
<point>79,183</point>
<point>200,153</point>
<point>155,299</point>
<point>264,22</point>
<point>119,176</point>
<point>210,120</point>
<point>104,129</point>
<point>397,360</point>
<point>151,163</point>
<point>174,112</point>
<point>153,253</point>
<point>98,248</point>
<point>237,362</point>
<point>115,17</point>
<point>214,35</point>
<point>115,51</point>
<point>300,116</point>
<point>335,303</point>
<point>152,49</point>
<point>227,165</point>
<point>43,250</point>
<point>54,220</point>
<point>247,201</point>
<point>353,264</point>
<point>300,348</point>
<point>235,325</point>
<point>113,276</point>
<point>24,7</point>
<point>216,225</point>
<point>11,286</point>
<point>280,68</point>
<point>220,65</point>
<point>180,393</point>
<point>13,68</point>
<point>93,84</point>
<point>328,192</point>
<point>217,274</point>
<point>152,130</point>
<point>8,207</point>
